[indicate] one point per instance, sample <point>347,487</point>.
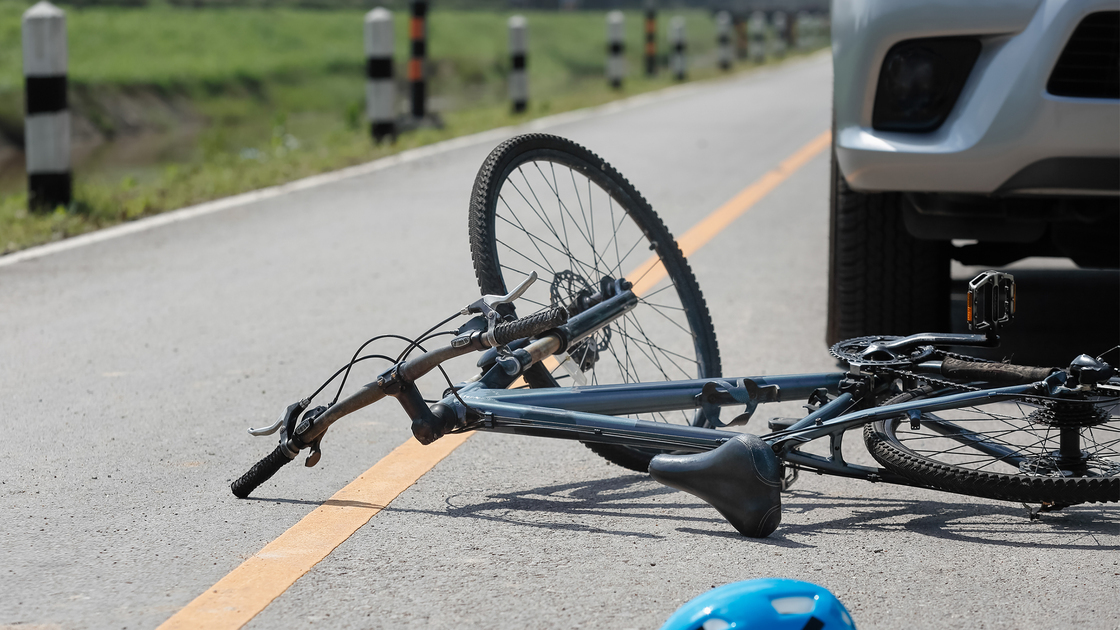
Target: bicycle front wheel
<point>546,204</point>
<point>1029,449</point>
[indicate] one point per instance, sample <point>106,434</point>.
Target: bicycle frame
<point>590,414</point>
<point>595,413</point>
<point>740,474</point>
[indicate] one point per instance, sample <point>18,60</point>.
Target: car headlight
<point>920,81</point>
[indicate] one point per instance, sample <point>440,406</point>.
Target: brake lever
<point>487,303</point>
<point>292,410</point>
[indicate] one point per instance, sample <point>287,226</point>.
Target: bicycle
<point>615,328</point>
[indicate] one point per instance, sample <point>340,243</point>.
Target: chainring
<point>869,352</point>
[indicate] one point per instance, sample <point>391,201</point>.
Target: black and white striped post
<point>723,40</point>
<point>381,91</point>
<point>757,31</point>
<point>651,38</point>
<point>518,75</point>
<point>47,114</point>
<point>418,36</point>
<point>678,63</point>
<point>616,48</point>
<point>781,32</point>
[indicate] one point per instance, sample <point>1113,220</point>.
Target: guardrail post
<point>757,30</point>
<point>651,38</point>
<point>47,113</point>
<point>616,47</point>
<point>723,39</point>
<point>418,36</point>
<point>678,63</point>
<point>781,32</point>
<point>518,75</point>
<point>381,91</point>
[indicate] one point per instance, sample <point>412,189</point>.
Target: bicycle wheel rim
<point>1018,453</point>
<point>545,204</point>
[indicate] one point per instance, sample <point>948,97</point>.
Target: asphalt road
<point>131,367</point>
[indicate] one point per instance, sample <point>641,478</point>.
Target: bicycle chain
<point>934,380</point>
<point>893,367</point>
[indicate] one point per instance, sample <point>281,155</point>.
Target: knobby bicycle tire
<point>963,470</point>
<point>533,208</point>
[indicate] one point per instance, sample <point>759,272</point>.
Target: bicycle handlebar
<point>534,324</point>
<point>260,472</point>
<point>411,370</point>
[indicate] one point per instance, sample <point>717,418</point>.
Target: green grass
<point>281,93</point>
<point>214,48</point>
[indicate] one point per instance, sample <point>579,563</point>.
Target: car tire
<point>881,280</point>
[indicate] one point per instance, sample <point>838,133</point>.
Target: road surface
<point>132,366</point>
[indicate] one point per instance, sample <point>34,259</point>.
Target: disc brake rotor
<point>571,290</point>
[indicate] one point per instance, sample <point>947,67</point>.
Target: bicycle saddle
<point>741,479</point>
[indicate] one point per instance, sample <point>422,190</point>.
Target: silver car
<point>983,132</point>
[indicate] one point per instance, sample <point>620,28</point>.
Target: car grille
<point>1090,63</point>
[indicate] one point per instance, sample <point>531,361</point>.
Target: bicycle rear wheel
<point>1029,449</point>
<point>546,204</point>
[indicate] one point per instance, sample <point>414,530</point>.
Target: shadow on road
<point>956,518</point>
<point>806,513</point>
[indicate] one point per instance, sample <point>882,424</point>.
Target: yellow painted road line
<point>248,589</point>
<point>239,596</point>
<point>652,271</point>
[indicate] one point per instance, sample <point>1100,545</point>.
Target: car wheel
<point>881,280</point>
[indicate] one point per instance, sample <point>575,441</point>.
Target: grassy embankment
<point>254,97</point>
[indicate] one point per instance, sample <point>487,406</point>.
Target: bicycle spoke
<point>576,228</point>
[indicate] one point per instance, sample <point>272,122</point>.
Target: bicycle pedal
<point>781,424</point>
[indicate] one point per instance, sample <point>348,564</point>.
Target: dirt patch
<point>110,127</point>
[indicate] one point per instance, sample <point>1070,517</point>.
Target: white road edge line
<point>410,155</point>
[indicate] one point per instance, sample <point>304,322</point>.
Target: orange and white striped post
<point>418,36</point>
<point>740,22</point>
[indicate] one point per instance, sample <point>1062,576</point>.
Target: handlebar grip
<point>996,373</point>
<point>260,472</point>
<point>534,324</point>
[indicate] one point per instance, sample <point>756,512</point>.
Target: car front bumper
<point>1004,121</point>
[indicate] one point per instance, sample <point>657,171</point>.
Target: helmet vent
<point>794,605</point>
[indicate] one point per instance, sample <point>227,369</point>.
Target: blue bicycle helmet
<point>766,604</point>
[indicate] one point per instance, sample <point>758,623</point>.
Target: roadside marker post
<point>723,39</point>
<point>740,21</point>
<point>616,47</point>
<point>47,113</point>
<point>381,91</point>
<point>518,74</point>
<point>800,21</point>
<point>418,36</point>
<point>781,33</point>
<point>651,38</point>
<point>678,64</point>
<point>757,30</point>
